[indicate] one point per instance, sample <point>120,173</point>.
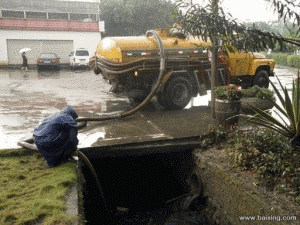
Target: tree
<point>135,17</point>
<point>115,16</point>
<point>211,22</point>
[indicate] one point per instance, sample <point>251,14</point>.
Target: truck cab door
<point>239,62</point>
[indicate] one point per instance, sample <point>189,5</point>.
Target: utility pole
<point>214,60</point>
<point>99,12</point>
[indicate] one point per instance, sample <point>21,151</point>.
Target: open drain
<point>142,183</point>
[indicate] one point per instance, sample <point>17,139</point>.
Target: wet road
<point>25,100</point>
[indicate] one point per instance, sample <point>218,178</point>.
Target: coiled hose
<point>29,144</point>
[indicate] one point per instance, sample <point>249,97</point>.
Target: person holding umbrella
<point>25,63</point>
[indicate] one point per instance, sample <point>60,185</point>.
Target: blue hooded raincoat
<point>56,137</point>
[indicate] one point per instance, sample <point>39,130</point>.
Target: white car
<point>79,58</point>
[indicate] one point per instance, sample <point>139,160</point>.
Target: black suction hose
<point>148,98</point>
<point>92,169</point>
<point>29,144</point>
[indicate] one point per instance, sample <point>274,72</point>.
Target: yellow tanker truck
<point>132,65</point>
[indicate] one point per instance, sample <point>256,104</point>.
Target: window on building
<point>12,14</point>
<point>36,15</point>
<point>79,16</point>
<point>58,16</point>
<point>93,17</point>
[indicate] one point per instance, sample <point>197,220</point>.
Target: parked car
<point>79,58</point>
<point>48,60</point>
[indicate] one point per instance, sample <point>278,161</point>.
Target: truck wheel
<point>97,71</point>
<point>138,95</point>
<point>161,100</point>
<point>261,79</point>
<point>177,93</point>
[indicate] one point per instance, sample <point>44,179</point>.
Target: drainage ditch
<point>143,183</point>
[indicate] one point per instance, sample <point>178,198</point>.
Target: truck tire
<point>161,100</point>
<point>97,71</point>
<point>177,93</point>
<point>261,79</point>
<point>138,95</point>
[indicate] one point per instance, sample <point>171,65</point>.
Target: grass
<point>30,191</point>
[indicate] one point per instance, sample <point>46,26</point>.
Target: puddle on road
<point>88,138</point>
<point>26,100</point>
<point>199,101</point>
<point>11,120</point>
<point>33,74</point>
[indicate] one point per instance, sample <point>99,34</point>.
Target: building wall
<point>61,48</point>
<point>56,25</point>
<point>87,40</point>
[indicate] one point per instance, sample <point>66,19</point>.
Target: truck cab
<point>249,69</point>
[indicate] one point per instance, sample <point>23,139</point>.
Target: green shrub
<point>229,92</point>
<point>280,58</point>
<point>269,155</point>
<point>249,92</point>
<point>293,61</point>
<point>256,91</point>
<point>265,93</point>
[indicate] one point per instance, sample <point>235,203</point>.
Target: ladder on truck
<point>205,77</point>
<point>221,80</point>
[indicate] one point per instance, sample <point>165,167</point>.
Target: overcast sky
<point>253,10</point>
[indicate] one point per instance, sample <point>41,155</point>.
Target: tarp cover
<point>56,138</point>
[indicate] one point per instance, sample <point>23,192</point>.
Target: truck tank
<point>126,49</point>
<point>131,65</point>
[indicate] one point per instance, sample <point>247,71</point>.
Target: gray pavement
<point>26,99</point>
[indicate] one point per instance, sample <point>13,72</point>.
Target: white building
<point>47,26</point>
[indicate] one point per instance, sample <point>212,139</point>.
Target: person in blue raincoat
<point>56,138</point>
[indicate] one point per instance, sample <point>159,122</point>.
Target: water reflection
<point>199,101</point>
<point>33,74</point>
<point>47,74</point>
<point>90,137</point>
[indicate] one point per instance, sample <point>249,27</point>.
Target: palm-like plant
<point>211,22</point>
<point>288,112</point>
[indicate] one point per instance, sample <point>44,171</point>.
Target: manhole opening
<point>141,189</point>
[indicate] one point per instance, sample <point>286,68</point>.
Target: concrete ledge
<point>233,194</point>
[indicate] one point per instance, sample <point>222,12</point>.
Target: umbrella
<point>24,50</point>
